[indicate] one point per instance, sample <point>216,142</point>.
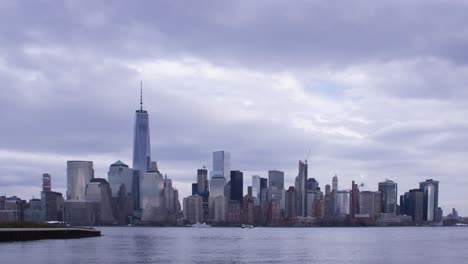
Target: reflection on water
<point>259,245</point>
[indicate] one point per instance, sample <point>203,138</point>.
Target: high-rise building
<point>263,190</point>
<point>343,202</point>
<point>194,188</point>
<point>312,185</point>
<point>256,189</point>
<point>193,209</point>
<point>151,189</point>
<point>141,144</point>
<point>218,207</point>
<point>98,190</point>
<point>52,206</point>
<point>389,192</point>
<point>416,205</point>
<point>237,186</point>
<point>431,199</point>
<point>221,170</point>
<point>120,174</point>
<point>221,164</point>
<point>79,173</point>
<point>369,203</point>
<point>335,183</point>
<point>202,180</point>
<point>354,209</point>
<point>46,182</point>
<point>301,189</point>
<point>276,179</point>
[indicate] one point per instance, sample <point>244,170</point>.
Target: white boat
<point>247,226</point>
<point>200,225</point>
<point>460,224</point>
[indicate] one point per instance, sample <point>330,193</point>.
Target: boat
<point>247,226</point>
<point>200,225</point>
<point>460,224</point>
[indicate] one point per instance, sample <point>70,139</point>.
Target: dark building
<point>431,200</point>
<point>52,206</point>
<point>249,190</point>
<point>263,190</point>
<point>202,180</point>
<point>389,192</point>
<point>312,185</point>
<point>46,182</point>
<point>276,179</point>
<point>354,206</point>
<point>237,186</point>
<point>194,188</point>
<point>416,205</point>
<point>290,202</point>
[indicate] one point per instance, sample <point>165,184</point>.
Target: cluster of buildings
<point>221,200</point>
<point>143,195</point>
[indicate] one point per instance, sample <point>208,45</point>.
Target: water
<point>259,245</point>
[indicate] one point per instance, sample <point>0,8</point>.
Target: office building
<point>389,192</point>
<point>431,200</point>
<point>416,205</point>
<point>193,209</point>
<point>79,173</point>
<point>46,182</point>
<point>343,202</point>
<point>301,189</point>
<point>141,144</point>
<point>237,186</point>
<point>221,171</point>
<point>202,181</point>
<point>276,179</point>
<point>51,206</point>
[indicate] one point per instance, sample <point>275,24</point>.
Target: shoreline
<point>29,234</point>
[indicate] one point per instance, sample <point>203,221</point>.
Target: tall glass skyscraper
<point>301,189</point>
<point>389,190</point>
<point>79,173</point>
<point>221,170</point>
<point>431,199</point>
<point>141,144</point>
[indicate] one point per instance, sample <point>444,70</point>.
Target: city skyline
<point>368,110</point>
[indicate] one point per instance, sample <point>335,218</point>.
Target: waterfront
<point>258,245</point>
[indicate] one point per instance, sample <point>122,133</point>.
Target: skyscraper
<point>237,186</point>
<point>256,191</point>
<point>276,179</point>
<point>202,180</point>
<point>301,189</point>
<point>335,183</point>
<point>416,205</point>
<point>431,199</point>
<point>46,182</point>
<point>389,192</point>
<point>221,170</point>
<point>120,174</point>
<point>141,143</point>
<point>79,173</point>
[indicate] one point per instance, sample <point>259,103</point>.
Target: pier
<point>26,234</point>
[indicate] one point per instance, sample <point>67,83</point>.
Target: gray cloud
<point>374,90</point>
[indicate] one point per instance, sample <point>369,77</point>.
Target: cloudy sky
<point>375,91</point>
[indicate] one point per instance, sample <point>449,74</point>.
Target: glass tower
<point>389,192</point>
<point>141,144</point>
<point>221,170</point>
<point>79,173</point>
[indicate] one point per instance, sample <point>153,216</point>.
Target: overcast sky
<point>375,91</point>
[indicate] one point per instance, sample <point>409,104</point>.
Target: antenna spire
<point>141,96</point>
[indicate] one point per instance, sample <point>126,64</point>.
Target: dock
<point>26,234</point>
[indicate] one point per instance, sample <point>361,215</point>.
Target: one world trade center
<point>141,142</point>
